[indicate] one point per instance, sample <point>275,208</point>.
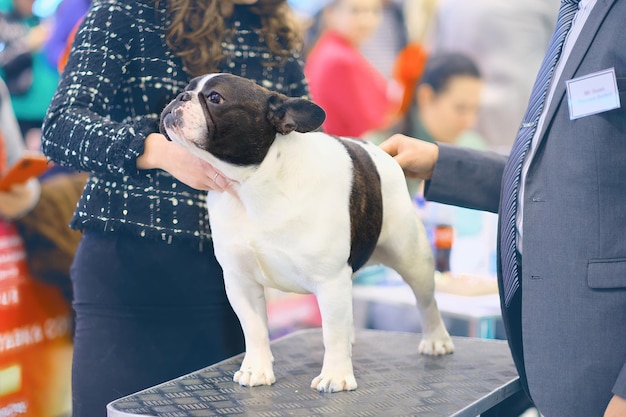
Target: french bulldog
<point>306,211</point>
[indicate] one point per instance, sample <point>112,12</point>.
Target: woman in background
<point>148,292</point>
<point>446,106</point>
<point>357,98</point>
<point>21,198</point>
<point>29,78</point>
<point>447,101</point>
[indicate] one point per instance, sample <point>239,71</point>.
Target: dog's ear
<point>289,114</point>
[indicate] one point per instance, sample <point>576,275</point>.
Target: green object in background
<point>41,8</point>
<point>33,104</point>
<point>6,6</point>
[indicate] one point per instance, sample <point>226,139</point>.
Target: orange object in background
<point>30,165</point>
<point>35,341</point>
<point>444,236</point>
<point>408,69</point>
<point>443,239</point>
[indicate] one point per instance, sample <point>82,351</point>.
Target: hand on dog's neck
<point>227,184</point>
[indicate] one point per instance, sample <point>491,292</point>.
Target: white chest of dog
<point>307,211</point>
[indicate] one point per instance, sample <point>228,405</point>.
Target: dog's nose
<point>184,96</point>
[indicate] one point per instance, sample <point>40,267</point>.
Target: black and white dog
<point>307,210</point>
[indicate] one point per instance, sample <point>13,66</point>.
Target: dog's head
<point>234,119</point>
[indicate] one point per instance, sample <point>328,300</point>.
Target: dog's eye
<point>215,98</point>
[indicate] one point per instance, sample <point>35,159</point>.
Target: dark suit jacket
<point>567,327</point>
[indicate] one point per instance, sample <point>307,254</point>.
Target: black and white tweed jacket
<point>118,78</point>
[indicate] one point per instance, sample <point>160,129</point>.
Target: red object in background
<point>35,342</point>
<point>288,312</point>
<point>354,94</point>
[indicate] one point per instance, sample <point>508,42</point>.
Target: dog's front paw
<point>436,344</point>
<point>330,382</point>
<point>256,369</point>
<point>253,377</point>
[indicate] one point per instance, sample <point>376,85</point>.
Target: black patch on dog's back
<point>366,204</point>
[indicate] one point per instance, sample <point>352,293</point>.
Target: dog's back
<point>315,196</point>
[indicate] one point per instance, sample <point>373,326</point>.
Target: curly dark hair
<point>197,30</point>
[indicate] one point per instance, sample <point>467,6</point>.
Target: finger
<point>210,177</point>
<point>214,186</point>
<point>390,146</point>
<point>222,182</point>
<point>405,160</point>
<point>215,181</point>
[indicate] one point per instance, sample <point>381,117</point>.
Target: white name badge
<point>592,94</point>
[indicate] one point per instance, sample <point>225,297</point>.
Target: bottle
<point>443,238</point>
<point>438,219</point>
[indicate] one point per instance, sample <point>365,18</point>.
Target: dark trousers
<point>146,312</point>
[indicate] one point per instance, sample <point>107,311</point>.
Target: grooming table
<point>393,380</point>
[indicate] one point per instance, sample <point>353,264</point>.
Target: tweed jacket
<point>110,98</point>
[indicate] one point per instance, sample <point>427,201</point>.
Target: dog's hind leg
<point>409,254</point>
<point>247,297</point>
<point>334,297</point>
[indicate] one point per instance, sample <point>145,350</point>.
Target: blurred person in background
<point>41,208</point>
<point>356,96</point>
<point>411,59</point>
<point>149,295</point>
<point>382,48</point>
<point>446,105</point>
<point>419,16</point>
<point>21,198</point>
<point>447,101</point>
<point>29,77</point>
<point>12,142</point>
<point>507,40</point>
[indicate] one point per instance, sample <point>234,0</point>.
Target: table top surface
<point>475,306</point>
<point>393,380</point>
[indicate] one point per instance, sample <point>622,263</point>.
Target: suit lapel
<point>579,51</point>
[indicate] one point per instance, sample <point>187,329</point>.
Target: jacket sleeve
<point>78,130</point>
<point>467,178</point>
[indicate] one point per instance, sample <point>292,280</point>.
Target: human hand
<point>416,157</point>
<point>20,199</point>
<point>181,164</point>
<point>616,407</point>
